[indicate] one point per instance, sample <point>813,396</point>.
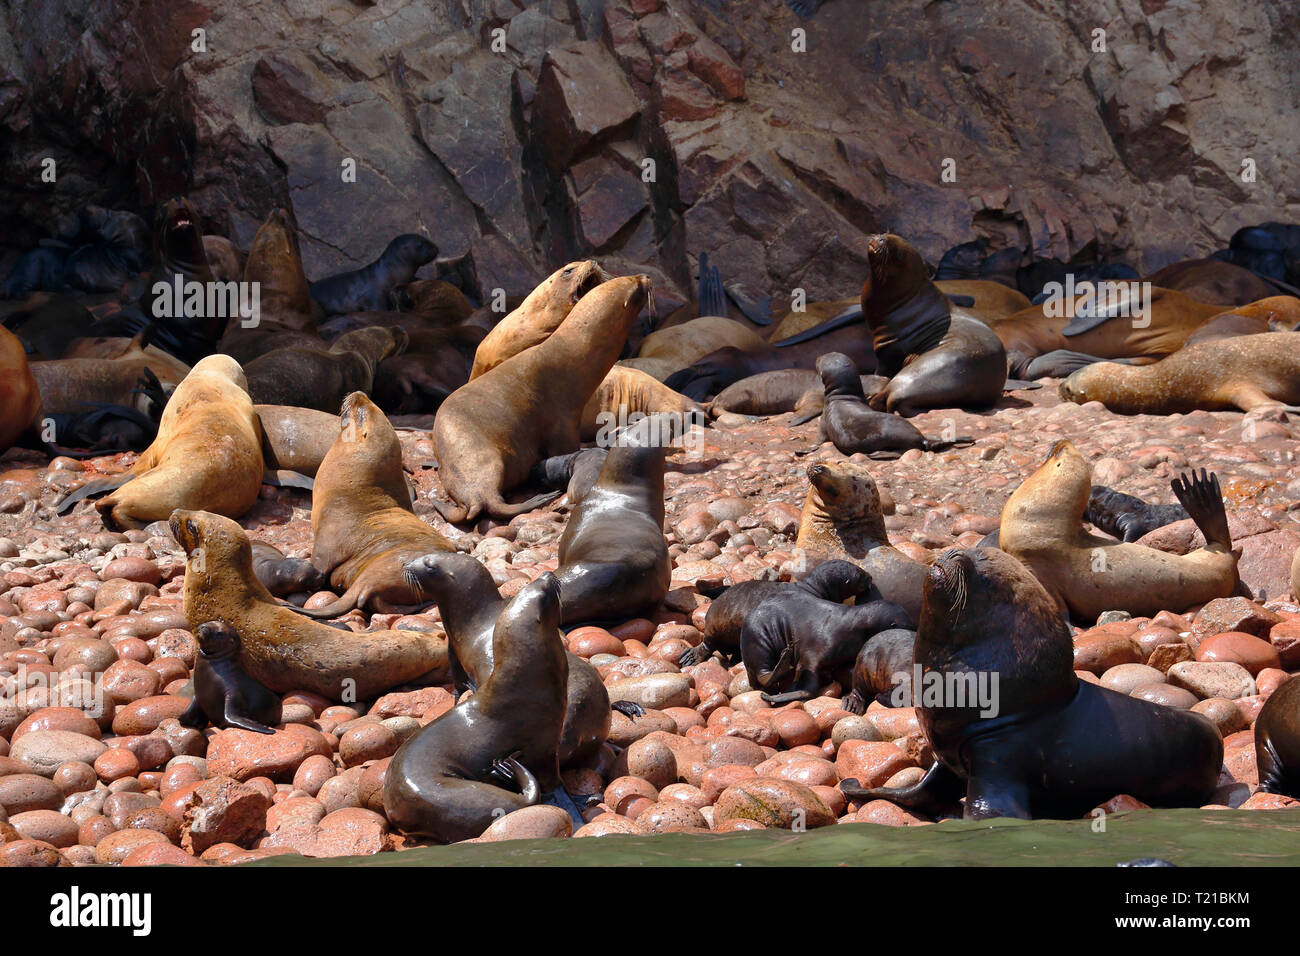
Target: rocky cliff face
<point>521,135</point>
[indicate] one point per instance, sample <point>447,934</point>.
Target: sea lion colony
<point>479,604</point>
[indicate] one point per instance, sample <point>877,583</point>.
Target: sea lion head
<point>847,490</point>
<point>411,249</point>
<point>896,272</point>
<point>212,544</point>
<point>1088,383</point>
<point>276,264</point>
<point>221,365</point>
<point>218,641</point>
<point>578,278</point>
<point>443,574</point>
<point>537,604</point>
<point>839,374</point>
<point>839,580</point>
<point>369,445</point>
<point>180,238</point>
<point>1060,486</point>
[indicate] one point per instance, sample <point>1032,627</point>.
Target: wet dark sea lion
<point>1087,575</point>
<point>470,604</point>
<point>849,424</point>
<point>320,377</point>
<point>282,649</point>
<point>1126,517</point>
<point>224,695</point>
<point>795,643</point>
<point>1053,746</point>
<point>613,559</point>
<point>835,581</point>
<point>364,531</point>
<point>371,287</point>
<point>883,671</point>
<point>283,576</point>
<point>490,432</point>
<point>497,751</point>
<point>1277,741</point>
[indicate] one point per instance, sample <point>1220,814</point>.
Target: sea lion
<point>98,430</point>
<point>224,259</point>
<point>575,473</point>
<point>1213,281</point>
<point>794,643</point>
<point>1041,742</point>
<point>208,452</point>
<point>281,649</point>
<point>48,324</point>
<point>470,605</point>
<point>1126,517</point>
<point>111,377</point>
<point>841,518</point>
<point>321,377</point>
<point>883,671</point>
<point>417,383</point>
<point>284,303</point>
<point>785,390</point>
<point>813,314</point>
<point>625,392</point>
<point>490,433</point>
<point>44,269</point>
<point>20,396</point>
<point>1042,526</point>
<point>852,427</point>
<point>180,258</point>
<point>435,300</point>
<point>1277,741</point>
<point>540,314</point>
<point>497,751</point>
<point>371,287</point>
<point>990,300</point>
<point>224,695</point>
<point>364,531</point>
<point>284,576</point>
<point>1253,371</point>
<point>686,344</point>
<point>835,581</point>
<point>296,439</point>
<point>613,559</point>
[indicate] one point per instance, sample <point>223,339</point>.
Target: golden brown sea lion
<point>20,398</point>
<point>993,301</point>
<point>687,343</point>
<point>296,439</point>
<point>490,433</point>
<point>1086,574</point>
<point>625,391</point>
<point>281,649</point>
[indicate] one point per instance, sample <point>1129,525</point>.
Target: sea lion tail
<point>350,599</point>
<point>1203,499</point>
<point>499,509</point>
<point>96,487</point>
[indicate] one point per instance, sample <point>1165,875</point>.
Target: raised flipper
<point>757,308</point>
<point>934,794</point>
<point>1201,496</point>
<point>850,315</point>
<point>713,299</point>
<point>284,478</point>
<point>97,486</point>
<point>509,772</point>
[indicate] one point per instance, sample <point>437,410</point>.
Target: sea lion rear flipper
<point>630,708</point>
<point>98,486</point>
<point>243,723</point>
<point>847,317</point>
<point>351,598</point>
<point>499,509</point>
<point>788,697</point>
<point>758,309</point>
<point>935,794</point>
<point>943,444</point>
<point>1058,363</point>
<point>284,478</point>
<point>452,514</point>
<point>1203,499</point>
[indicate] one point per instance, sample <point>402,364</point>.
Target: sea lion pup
<point>20,397</point>
<point>99,429</point>
<point>613,559</point>
<point>1042,526</point>
<point>851,426</point>
<point>296,439</point>
<point>281,649</point>
<point>435,300</point>
<point>540,314</point>
<point>490,432</point>
<point>842,519</point>
<point>208,452</point>
<point>1039,742</point>
<point>883,671</point>
<point>795,643</point>
<point>283,576</point>
<point>371,287</point>
<point>1277,741</point>
<point>321,377</point>
<point>470,604</point>
<point>364,531</point>
<point>626,392</point>
<point>835,581</point>
<point>1126,517</point>
<point>499,750</point>
<point>224,695</point>
<point>1249,372</point>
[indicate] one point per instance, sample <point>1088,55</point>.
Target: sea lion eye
<point>191,528</point>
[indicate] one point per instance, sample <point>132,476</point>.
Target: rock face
<point>649,132</point>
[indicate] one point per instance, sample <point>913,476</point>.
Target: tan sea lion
<point>992,300</point>
<point>625,391</point>
<point>296,439</point>
<point>208,453</point>
<point>687,343</point>
<point>20,397</point>
<point>439,302</point>
<point>815,313</point>
<point>224,259</point>
<point>1086,574</point>
<point>538,315</point>
<point>490,433</point>
<point>1246,372</point>
<point>284,650</point>
<point>364,531</point>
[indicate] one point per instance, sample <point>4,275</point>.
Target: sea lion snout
<point>218,640</point>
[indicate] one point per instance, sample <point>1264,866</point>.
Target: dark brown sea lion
<point>362,524</point>
<point>283,576</point>
<point>1039,742</point>
<point>795,643</point>
<point>282,649</point>
<point>432,299</point>
<point>20,397</point>
<point>470,605</point>
<point>835,581</point>
<point>1126,517</point>
<point>1213,281</point>
<point>322,376</point>
<point>1278,313</point>
<point>180,260</point>
<point>224,259</point>
<point>490,433</point>
<point>883,671</point>
<point>417,383</point>
<point>613,559</point>
<point>48,324</point>
<point>104,371</point>
<point>208,453</point>
<point>1042,526</point>
<point>1277,741</point>
<point>372,286</point>
<point>224,695</point>
<point>497,751</point>
<point>1249,372</point>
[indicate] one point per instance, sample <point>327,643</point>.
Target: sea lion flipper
<point>962,301</point>
<point>935,793</point>
<point>847,317</point>
<point>194,716</point>
<point>854,703</point>
<point>630,708</point>
<point>284,478</point>
<point>1203,499</point>
<point>1020,385</point>
<point>243,723</point>
<point>788,697</point>
<point>97,486</point>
